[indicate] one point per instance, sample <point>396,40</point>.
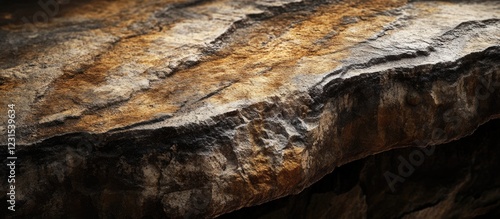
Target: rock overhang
<point>268,97</point>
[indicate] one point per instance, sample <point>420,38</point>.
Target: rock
<point>198,108</point>
<point>454,180</point>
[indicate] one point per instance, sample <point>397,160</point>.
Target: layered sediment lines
<point>198,108</point>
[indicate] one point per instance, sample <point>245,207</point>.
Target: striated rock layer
<point>197,108</point>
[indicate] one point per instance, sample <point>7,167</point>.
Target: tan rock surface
<point>202,107</point>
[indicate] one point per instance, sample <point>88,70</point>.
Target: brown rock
<point>197,108</point>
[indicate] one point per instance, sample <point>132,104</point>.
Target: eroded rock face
<point>453,180</point>
<point>198,108</point>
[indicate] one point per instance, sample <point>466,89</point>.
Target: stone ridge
<point>203,107</point>
<point>444,181</point>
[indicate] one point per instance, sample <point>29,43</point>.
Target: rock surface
<point>454,181</point>
<point>198,108</point>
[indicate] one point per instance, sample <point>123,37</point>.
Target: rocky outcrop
<point>197,108</point>
<point>453,180</point>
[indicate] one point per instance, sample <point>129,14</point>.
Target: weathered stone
<point>198,108</point>
<point>455,181</point>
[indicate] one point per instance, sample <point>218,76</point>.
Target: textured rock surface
<point>198,108</point>
<point>455,181</point>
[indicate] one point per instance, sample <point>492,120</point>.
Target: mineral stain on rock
<point>196,108</point>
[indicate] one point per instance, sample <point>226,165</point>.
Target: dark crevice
<point>218,90</point>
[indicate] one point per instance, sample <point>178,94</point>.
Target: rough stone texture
<point>198,108</point>
<point>455,181</point>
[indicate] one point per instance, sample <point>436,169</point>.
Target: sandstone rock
<point>197,108</point>
<point>454,181</point>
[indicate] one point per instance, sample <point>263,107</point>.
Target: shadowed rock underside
<point>198,108</point>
